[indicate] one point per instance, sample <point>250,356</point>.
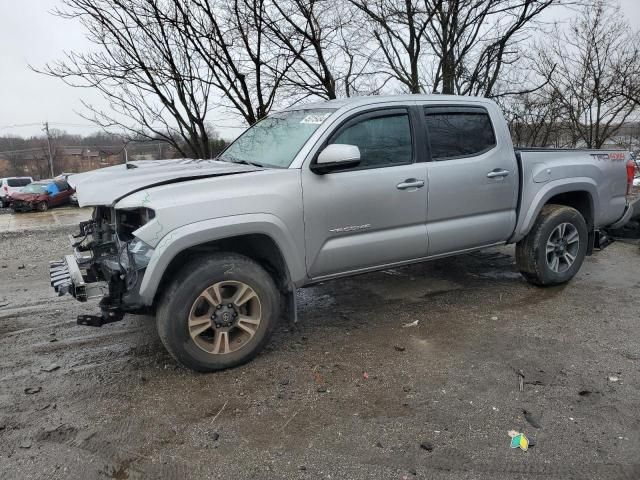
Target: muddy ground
<point>438,400</point>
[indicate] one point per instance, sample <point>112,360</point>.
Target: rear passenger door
<point>473,180</point>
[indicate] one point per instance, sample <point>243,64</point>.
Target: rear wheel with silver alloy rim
<point>219,312</point>
<point>554,249</point>
<point>562,247</point>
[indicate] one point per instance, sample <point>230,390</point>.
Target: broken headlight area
<point>108,262</point>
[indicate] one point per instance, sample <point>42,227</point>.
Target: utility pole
<point>46,129</point>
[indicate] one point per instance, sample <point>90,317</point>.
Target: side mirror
<point>336,156</point>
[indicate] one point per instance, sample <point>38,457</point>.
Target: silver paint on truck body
<point>353,221</point>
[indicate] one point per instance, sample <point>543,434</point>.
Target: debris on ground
<point>412,324</point>
<point>26,444</point>
<point>322,389</point>
<point>365,375</point>
<point>520,380</point>
<point>50,368</point>
<point>519,440</point>
<point>318,378</point>
<point>531,419</point>
<point>398,348</point>
<point>586,393</point>
<point>32,390</point>
<point>426,445</point>
<point>215,436</point>
<point>614,379</point>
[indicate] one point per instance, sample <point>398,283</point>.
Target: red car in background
<point>42,195</point>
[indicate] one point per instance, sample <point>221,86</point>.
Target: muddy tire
<point>554,249</point>
<point>42,206</point>
<point>219,312</point>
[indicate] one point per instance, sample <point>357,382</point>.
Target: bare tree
<point>473,41</point>
<point>247,65</point>
<point>398,29</point>
<point>596,63</point>
<point>144,67</point>
<point>537,119</point>
<point>326,39</point>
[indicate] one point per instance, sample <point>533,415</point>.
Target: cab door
<point>473,179</point>
<point>373,214</point>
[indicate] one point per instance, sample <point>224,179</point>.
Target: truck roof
<point>373,99</point>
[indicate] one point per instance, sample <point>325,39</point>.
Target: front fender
<point>206,231</point>
<point>533,203</point>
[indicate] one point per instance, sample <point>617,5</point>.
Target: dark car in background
<point>42,195</point>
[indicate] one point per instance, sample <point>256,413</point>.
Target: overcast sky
<point>30,34</point>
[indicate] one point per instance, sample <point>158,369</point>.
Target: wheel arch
<point>256,246</point>
<point>581,195</point>
<point>581,200</point>
<point>265,240</point>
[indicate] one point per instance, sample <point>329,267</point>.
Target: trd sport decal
<point>609,156</point>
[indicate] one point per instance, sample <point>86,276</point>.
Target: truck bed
<point>599,175</point>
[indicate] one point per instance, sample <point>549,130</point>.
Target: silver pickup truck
<point>216,248</point>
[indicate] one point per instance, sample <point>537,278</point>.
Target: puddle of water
<point>15,222</point>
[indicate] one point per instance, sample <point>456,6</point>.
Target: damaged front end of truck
<point>108,262</point>
<point>110,254</point>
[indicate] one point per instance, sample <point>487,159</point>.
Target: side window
<point>18,182</point>
<point>383,140</point>
<point>454,134</point>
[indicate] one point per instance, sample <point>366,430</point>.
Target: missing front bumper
<point>67,278</point>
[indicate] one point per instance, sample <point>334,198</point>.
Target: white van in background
<point>10,185</point>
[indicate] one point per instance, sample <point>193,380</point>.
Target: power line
<point>62,124</point>
<point>19,125</point>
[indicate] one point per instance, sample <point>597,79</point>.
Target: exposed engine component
<point>107,263</point>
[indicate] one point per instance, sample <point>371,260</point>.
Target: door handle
<point>410,183</point>
<point>498,173</point>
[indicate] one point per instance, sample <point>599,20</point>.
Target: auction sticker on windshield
<point>316,118</point>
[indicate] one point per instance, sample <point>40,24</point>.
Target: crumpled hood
<point>107,185</point>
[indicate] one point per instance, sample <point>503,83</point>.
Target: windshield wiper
<point>245,162</point>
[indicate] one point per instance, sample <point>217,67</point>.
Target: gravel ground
<point>347,393</point>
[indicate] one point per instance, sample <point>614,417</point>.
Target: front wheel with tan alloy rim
<point>219,312</point>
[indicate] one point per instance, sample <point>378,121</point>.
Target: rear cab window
<point>458,132</point>
<point>18,182</point>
